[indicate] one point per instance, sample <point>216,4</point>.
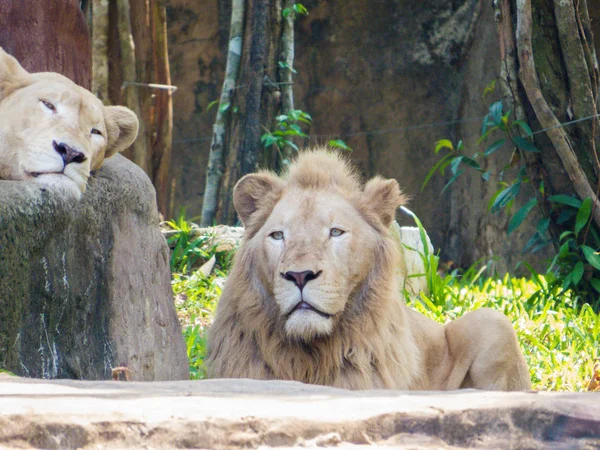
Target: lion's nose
<point>301,278</point>
<point>68,153</point>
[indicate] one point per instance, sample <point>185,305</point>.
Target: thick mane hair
<point>370,347</point>
<point>320,170</point>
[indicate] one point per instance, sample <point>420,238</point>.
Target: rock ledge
<point>234,414</point>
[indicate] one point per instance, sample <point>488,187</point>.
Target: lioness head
<point>53,132</point>
<point>317,234</point>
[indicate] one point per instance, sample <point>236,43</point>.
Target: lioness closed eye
<point>313,297</point>
<point>53,132</point>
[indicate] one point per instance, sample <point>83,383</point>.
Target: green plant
<point>286,128</point>
<point>297,8</point>
<point>577,263</point>
<point>557,335</point>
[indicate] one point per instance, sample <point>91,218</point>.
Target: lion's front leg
<point>485,353</point>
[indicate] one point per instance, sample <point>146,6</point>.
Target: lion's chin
<point>307,325</point>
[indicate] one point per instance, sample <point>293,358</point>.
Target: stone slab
<point>233,414</point>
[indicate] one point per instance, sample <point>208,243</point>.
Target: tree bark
<point>131,97</point>
<point>255,101</point>
<point>215,168</point>
<point>137,55</point>
<point>286,71</point>
<point>53,38</point>
<point>100,49</point>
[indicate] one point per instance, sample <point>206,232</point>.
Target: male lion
<point>313,296</point>
<point>53,132</point>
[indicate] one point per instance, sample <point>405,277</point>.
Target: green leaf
<point>443,143</point>
<point>496,113</point>
<point>524,144</point>
<point>495,146</point>
<point>286,12</point>
<point>564,234</point>
<point>435,168</point>
<point>565,200</point>
<point>291,144</point>
<point>489,89</point>
<point>300,9</point>
<point>595,282</point>
<point>524,127</point>
<point>486,134</point>
<point>452,180</point>
<point>455,163</point>
<point>493,199</point>
<point>297,129</point>
<point>485,176</point>
<point>338,143</point>
<point>472,163</point>
<point>211,104</point>
<point>285,65</point>
<point>505,197</point>
<point>224,107</point>
<point>577,273</point>
<point>521,214</point>
<point>591,255</point>
<point>543,225</point>
<point>583,215</point>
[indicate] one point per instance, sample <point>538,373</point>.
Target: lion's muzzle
<point>68,154</point>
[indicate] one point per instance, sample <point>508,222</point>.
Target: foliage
<point>286,129</point>
<point>188,249</point>
<point>557,333</point>
<point>297,8</point>
<point>577,263</point>
<point>195,301</point>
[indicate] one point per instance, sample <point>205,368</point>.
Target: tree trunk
<point>50,38</point>
<point>100,49</point>
<point>130,38</point>
<point>215,167</point>
<point>551,75</point>
<point>248,104</point>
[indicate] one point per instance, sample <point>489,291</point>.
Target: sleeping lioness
<point>313,295</point>
<point>53,132</point>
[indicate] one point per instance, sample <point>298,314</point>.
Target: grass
<point>558,335</point>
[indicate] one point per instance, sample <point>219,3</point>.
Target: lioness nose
<point>68,153</point>
<point>301,278</point>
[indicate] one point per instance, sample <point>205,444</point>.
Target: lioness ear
<point>383,197</point>
<point>12,75</point>
<point>122,126</point>
<point>253,191</point>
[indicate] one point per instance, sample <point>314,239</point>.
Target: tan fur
<point>364,336</point>
<point>29,129</point>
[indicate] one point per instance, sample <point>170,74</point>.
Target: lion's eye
<point>336,232</point>
<point>277,235</point>
<point>48,105</point>
<point>97,131</point>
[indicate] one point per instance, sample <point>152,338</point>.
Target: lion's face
<point>317,250</point>
<point>53,132</point>
<point>314,249</point>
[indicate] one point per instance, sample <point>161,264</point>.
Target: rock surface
<point>85,286</point>
<point>232,414</point>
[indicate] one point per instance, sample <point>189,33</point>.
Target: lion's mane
<point>371,345</point>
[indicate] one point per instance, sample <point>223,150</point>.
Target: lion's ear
<point>383,197</point>
<point>122,126</point>
<point>12,75</point>
<point>252,191</point>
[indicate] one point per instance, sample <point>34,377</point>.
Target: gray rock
<point>235,414</point>
<point>85,286</point>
